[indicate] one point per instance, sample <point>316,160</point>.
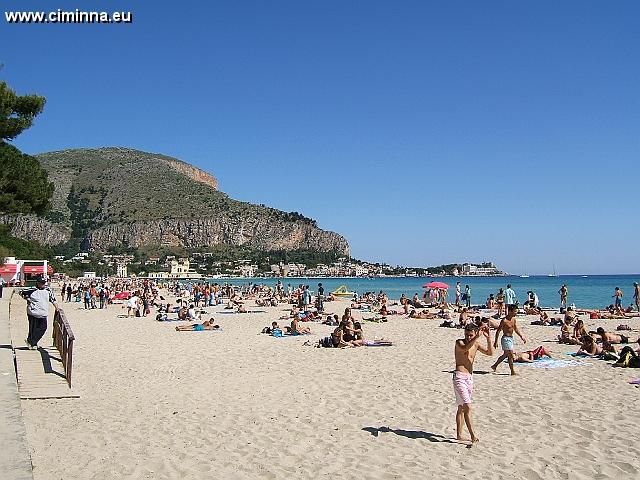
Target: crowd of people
<point>498,315</point>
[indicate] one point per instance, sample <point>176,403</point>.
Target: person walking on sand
<point>458,294</point>
<point>465,353</point>
<point>467,295</point>
<point>507,326</point>
<point>636,295</point>
<point>320,298</point>
<point>37,311</point>
<point>564,294</point>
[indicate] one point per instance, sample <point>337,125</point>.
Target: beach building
<point>121,270</point>
<point>180,268</point>
<point>248,270</point>
<point>20,272</point>
<point>469,269</point>
<point>360,271</point>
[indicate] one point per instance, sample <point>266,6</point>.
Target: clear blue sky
<point>424,132</point>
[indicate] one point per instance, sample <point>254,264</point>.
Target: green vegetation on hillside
<point>113,185</point>
<point>24,249</point>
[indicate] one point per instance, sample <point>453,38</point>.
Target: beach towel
<point>215,330</point>
<point>635,381</point>
<point>553,363</point>
<point>375,319</point>
<point>240,313</point>
<point>376,343</point>
<point>608,356</point>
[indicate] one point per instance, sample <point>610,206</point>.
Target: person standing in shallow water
<point>636,295</point>
<point>617,296</point>
<point>465,353</point>
<point>467,295</point>
<point>564,294</point>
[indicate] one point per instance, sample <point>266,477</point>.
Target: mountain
<point>119,197</point>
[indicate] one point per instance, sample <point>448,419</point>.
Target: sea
<point>593,291</point>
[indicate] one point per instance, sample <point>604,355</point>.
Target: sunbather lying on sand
<point>422,314</point>
<point>198,327</point>
<point>608,339</point>
<point>531,355</point>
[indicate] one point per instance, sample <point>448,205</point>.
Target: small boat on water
<point>342,291</point>
<point>524,276</point>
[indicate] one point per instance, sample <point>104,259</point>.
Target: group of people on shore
<point>598,343</point>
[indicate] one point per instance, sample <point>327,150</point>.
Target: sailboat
<point>554,274</point>
<point>524,276</point>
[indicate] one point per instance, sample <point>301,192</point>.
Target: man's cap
<point>41,280</point>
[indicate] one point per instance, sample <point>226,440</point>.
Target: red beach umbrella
<point>439,285</point>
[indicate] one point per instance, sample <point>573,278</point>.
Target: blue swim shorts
<point>507,343</point>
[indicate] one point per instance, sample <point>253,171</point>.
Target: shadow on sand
<point>415,434</point>
<point>475,372</point>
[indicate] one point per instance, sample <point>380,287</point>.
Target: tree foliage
<point>17,112</point>
<point>24,184</point>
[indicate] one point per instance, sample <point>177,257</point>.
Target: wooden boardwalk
<point>40,372</point>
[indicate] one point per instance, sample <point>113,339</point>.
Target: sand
<point>237,404</point>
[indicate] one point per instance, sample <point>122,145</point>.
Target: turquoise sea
<point>594,291</point>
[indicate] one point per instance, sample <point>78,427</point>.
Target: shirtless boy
<point>507,326</point>
<point>465,353</point>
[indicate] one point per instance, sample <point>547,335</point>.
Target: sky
<point>425,132</point>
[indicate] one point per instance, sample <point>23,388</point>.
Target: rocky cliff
<point>32,227</point>
<point>113,197</point>
<point>259,233</point>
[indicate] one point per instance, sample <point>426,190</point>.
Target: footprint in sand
<point>530,474</point>
<point>626,467</point>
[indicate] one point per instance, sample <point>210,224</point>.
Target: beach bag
<point>327,342</point>
<point>276,332</point>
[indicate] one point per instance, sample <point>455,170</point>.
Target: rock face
<point>254,232</point>
<point>119,197</point>
<point>32,227</point>
<point>193,173</point>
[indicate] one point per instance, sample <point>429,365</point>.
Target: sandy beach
<point>236,404</point>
